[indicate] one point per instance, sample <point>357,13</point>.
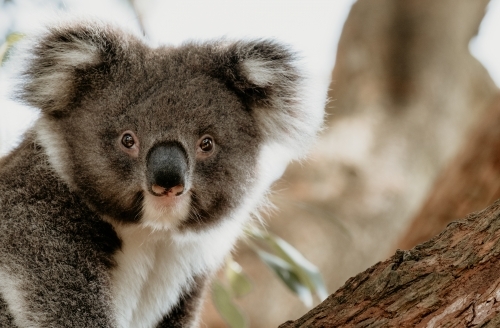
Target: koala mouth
<point>163,198</point>
<point>165,211</point>
<point>158,190</point>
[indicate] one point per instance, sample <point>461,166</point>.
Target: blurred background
<point>412,132</point>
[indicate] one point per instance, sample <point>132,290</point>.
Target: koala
<point>141,172</point>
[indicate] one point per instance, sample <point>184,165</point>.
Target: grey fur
<point>5,317</point>
<point>93,82</point>
<point>187,309</point>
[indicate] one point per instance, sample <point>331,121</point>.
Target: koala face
<point>181,143</point>
<point>169,137</point>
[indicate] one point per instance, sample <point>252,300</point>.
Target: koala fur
<point>137,179</point>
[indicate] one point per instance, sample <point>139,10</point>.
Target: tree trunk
<point>452,280</point>
<point>470,182</point>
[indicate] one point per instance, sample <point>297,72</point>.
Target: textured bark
<point>452,280</point>
<point>470,182</point>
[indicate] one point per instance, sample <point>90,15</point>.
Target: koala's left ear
<point>266,76</point>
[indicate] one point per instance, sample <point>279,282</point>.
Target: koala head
<point>168,136</point>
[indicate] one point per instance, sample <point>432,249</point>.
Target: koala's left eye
<point>206,146</point>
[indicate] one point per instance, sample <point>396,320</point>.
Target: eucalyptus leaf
<point>238,281</point>
<point>288,275</point>
<point>305,269</point>
<point>10,40</point>
<point>227,309</point>
<point>306,273</point>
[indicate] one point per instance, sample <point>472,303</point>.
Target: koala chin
<point>139,176</point>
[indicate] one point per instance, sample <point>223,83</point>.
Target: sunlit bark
<point>452,280</point>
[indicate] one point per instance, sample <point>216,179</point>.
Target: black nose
<point>166,168</point>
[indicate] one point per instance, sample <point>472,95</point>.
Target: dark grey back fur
<point>52,245</point>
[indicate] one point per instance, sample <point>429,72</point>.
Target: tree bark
<point>453,280</point>
<point>470,182</point>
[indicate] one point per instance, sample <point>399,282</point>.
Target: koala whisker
<point>195,215</point>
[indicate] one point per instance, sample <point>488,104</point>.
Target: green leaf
<point>238,281</point>
<point>4,48</point>
<point>227,309</point>
<point>308,272</point>
<point>287,274</point>
<point>305,272</point>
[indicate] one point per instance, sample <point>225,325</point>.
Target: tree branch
<point>453,279</point>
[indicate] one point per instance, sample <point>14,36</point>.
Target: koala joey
<point>141,172</point>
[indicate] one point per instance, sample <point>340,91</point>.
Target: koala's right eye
<point>128,141</point>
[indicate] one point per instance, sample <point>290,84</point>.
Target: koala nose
<point>166,169</point>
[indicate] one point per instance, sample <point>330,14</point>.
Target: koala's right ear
<point>65,62</point>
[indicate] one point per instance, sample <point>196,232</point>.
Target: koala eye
<point>128,141</point>
<point>206,145</point>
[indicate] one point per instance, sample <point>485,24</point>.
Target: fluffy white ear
<point>266,76</point>
<point>61,61</point>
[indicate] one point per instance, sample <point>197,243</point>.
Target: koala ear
<point>61,61</point>
<point>266,76</point>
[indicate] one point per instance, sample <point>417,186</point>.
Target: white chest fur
<point>145,283</point>
<point>155,267</point>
